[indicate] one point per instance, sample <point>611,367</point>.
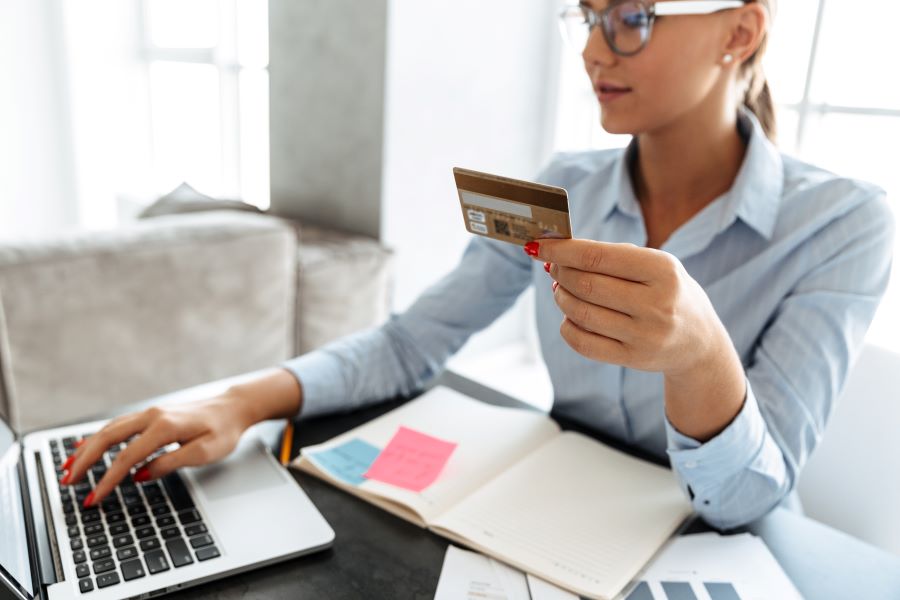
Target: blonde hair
<point>757,95</point>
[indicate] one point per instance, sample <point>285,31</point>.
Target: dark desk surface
<point>376,555</point>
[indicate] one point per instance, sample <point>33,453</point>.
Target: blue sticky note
<point>346,462</point>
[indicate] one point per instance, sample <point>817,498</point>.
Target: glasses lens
<point>574,26</point>
<point>629,27</point>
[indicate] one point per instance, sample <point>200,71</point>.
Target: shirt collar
<point>754,197</point>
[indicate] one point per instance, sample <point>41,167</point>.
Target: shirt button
<point>691,464</point>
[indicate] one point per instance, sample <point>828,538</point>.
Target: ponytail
<point>758,96</point>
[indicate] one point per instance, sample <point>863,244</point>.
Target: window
<point>838,103</point>
<point>165,91</point>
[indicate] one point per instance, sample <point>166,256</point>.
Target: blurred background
<point>350,115</point>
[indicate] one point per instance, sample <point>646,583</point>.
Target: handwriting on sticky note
<point>411,460</point>
<point>347,461</point>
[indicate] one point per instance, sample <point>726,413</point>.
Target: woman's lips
<point>607,92</point>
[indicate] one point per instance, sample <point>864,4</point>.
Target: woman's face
<point>678,70</point>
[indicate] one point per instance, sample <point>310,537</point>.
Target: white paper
<point>472,576</point>
<point>740,565</point>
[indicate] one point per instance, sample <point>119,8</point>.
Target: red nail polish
<point>532,248</point>
<point>89,500</point>
<point>547,267</point>
<point>65,479</point>
<point>555,285</point>
<point>142,475</point>
<point>68,463</point>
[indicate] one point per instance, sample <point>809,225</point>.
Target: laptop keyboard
<point>140,529</point>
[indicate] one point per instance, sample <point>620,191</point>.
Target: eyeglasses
<point>627,24</point>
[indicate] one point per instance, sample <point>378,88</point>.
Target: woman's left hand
<point>632,306</point>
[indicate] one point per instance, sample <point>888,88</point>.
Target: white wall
<point>469,84</point>
<point>37,184</point>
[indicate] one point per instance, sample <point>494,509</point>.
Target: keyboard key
<point>160,510</point>
<point>166,521</point>
<point>107,580</point>
<point>132,569</point>
<point>195,529</point>
<point>85,585</point>
<point>140,521</point>
<point>140,509</point>
<point>179,552</point>
<point>188,516</point>
<point>79,556</point>
<point>71,520</point>
<point>98,553</point>
<point>178,493</point>
<point>144,532</point>
<point>68,507</point>
<point>76,544</point>
<point>102,566</point>
<point>122,541</point>
<point>150,544</point>
<point>74,531</point>
<point>126,553</point>
<point>115,517</point>
<point>93,529</point>
<point>82,487</point>
<point>118,529</point>
<point>96,540</point>
<point>82,571</point>
<point>91,517</point>
<point>156,562</point>
<point>171,532</point>
<point>200,541</point>
<point>207,553</point>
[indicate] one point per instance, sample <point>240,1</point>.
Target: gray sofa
<point>89,321</point>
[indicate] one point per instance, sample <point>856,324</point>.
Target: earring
<point>727,59</point>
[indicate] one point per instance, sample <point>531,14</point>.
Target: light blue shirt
<point>793,258</point>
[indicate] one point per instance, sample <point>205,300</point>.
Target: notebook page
<point>489,439</point>
<point>574,512</point>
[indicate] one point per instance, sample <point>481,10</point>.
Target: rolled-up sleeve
<point>794,375</point>
<point>404,353</point>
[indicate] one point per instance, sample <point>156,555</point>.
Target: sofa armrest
<point>94,320</point>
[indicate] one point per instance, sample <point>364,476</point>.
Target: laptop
<point>145,539</point>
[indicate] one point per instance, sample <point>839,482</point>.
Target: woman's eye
<point>635,20</point>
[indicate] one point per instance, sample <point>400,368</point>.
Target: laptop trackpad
<point>244,471</point>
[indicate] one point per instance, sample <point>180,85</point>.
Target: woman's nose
<point>597,50</point>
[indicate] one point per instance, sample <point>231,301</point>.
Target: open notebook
<point>555,504</point>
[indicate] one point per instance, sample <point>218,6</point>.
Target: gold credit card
<point>511,210</point>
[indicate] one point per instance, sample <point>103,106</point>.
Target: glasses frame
<point>654,10</point>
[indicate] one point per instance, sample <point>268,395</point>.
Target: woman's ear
<point>748,27</point>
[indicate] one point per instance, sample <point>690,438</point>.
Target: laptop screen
<point>13,541</point>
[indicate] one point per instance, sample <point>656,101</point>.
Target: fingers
<point>625,261</point>
<point>593,318</point>
<point>614,293</point>
<point>93,448</point>
<point>159,433</point>
<point>594,346</point>
<point>193,454</point>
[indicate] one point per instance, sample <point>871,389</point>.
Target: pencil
<point>287,440</point>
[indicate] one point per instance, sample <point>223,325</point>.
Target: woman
<point>712,302</point>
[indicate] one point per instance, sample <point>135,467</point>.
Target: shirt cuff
<point>320,379</point>
<point>704,466</point>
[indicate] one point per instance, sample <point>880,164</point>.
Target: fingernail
<point>68,463</point>
<point>65,479</point>
<point>547,267</point>
<point>89,500</point>
<point>79,443</point>
<point>555,285</point>
<point>141,475</point>
<point>532,248</point>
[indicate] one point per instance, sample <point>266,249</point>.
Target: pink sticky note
<point>411,460</point>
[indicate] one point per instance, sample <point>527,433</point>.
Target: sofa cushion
<point>95,320</point>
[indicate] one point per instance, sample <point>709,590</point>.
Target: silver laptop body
<point>149,539</point>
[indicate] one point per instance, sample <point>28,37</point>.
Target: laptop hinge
<point>44,521</point>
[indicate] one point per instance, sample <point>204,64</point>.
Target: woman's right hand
<point>206,430</point>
